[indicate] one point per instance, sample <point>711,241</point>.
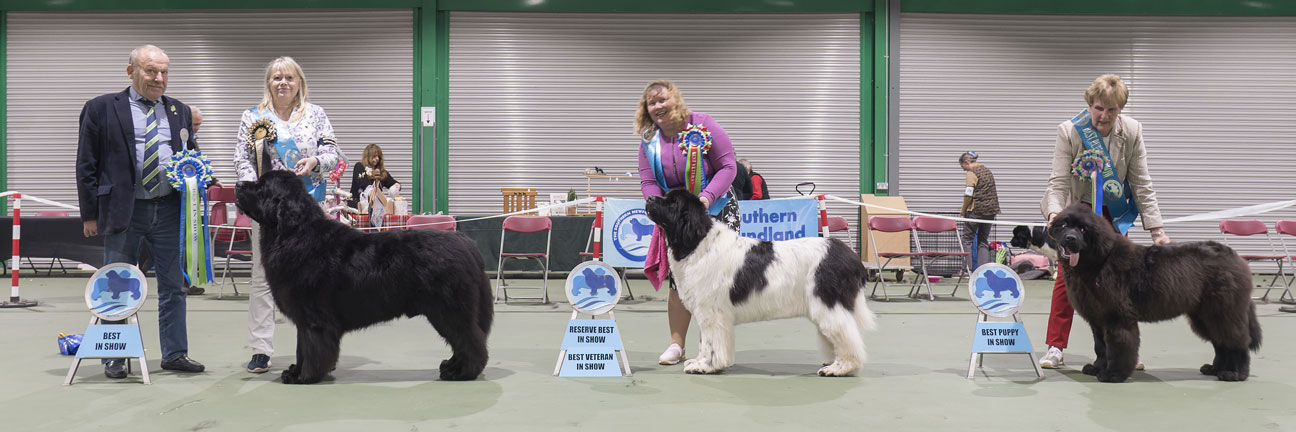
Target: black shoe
<point>1287,309</point>
<point>193,290</point>
<point>115,369</point>
<point>182,363</point>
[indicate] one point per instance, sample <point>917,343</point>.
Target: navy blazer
<point>105,166</point>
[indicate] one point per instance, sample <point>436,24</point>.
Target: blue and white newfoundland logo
<point>631,233</point>
<point>593,287</point>
<point>116,291</point>
<point>996,290</point>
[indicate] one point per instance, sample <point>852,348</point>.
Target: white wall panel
<point>1216,96</point>
<point>359,66</point>
<point>536,98</point>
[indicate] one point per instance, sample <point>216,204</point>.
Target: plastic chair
<point>1286,228</point>
<point>928,254</point>
<point>524,224</point>
<point>890,224</point>
<point>1250,227</point>
<point>838,224</point>
<point>55,260</point>
<point>621,271</point>
<point>433,222</point>
<point>222,198</point>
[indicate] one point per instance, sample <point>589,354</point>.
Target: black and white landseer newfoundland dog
<point>329,279</point>
<point>1114,283</point>
<point>726,279</point>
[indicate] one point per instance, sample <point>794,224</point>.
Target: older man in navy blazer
<point>125,144</point>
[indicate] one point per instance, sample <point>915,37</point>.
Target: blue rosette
<point>190,173</point>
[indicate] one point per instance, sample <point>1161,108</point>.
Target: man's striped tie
<point>152,171</point>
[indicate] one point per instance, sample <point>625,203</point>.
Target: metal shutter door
<point>536,98</point>
<point>1216,97</point>
<point>358,65</point>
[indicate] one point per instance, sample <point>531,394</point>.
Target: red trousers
<point>1060,314</point>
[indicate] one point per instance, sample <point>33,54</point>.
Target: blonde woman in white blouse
<point>284,132</point>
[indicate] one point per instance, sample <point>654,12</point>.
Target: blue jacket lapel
<point>121,106</point>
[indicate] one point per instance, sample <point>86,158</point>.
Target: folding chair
<point>621,271</point>
<point>838,224</point>
<point>524,224</point>
<point>890,224</point>
<point>222,197</point>
<point>1250,227</point>
<point>928,255</point>
<point>1286,228</point>
<point>55,260</point>
<point>433,222</point>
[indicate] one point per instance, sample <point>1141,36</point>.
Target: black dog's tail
<point>1254,327</point>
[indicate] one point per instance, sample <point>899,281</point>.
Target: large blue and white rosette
<point>190,173</point>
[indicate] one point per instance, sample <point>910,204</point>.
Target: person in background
<point>980,201</point>
<point>659,120</point>
<point>1122,144</point>
<point>756,182</point>
<point>306,146</point>
<point>369,170</point>
<point>124,145</point>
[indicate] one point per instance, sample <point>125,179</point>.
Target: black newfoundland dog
<point>1114,283</point>
<point>329,279</point>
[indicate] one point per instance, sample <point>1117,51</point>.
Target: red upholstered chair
<point>890,224</point>
<point>524,224</point>
<point>55,260</point>
<point>1256,254</point>
<point>1286,228</point>
<point>222,199</point>
<point>839,224</point>
<point>929,254</point>
<point>433,222</point>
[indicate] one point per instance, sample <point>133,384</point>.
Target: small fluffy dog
<point>331,279</point>
<point>726,279</point>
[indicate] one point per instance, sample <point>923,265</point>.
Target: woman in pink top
<point>674,143</point>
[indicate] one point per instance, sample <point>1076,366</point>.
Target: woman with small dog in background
<point>1122,144</point>
<point>370,176</point>
<point>980,201</point>
<point>664,164</point>
<point>284,132</point>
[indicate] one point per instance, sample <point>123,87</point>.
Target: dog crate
<point>946,241</point>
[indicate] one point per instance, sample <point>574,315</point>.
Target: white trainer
<point>1139,365</point>
<point>673,354</point>
<point>1052,359</point>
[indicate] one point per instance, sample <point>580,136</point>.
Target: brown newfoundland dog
<point>1114,284</point>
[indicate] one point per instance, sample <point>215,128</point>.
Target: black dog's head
<point>1021,237</point>
<point>683,219</point>
<point>1078,230</point>
<point>277,196</point>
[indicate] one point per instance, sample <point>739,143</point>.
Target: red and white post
<point>823,215</point>
<point>15,301</point>
<point>598,228</point>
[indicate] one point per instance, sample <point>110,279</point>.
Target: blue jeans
<point>158,223</point>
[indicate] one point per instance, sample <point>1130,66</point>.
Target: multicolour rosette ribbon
<point>695,141</point>
<point>1086,164</point>
<point>335,176</point>
<point>190,173</point>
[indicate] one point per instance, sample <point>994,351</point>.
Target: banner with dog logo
<point>626,232</point>
<point>998,292</point>
<point>627,229</point>
<point>115,293</point>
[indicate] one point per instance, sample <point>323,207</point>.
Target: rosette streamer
<point>190,173</point>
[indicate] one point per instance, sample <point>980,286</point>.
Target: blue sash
<point>288,152</point>
<point>652,151</point>
<point>1116,194</point>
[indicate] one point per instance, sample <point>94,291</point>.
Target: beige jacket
<point>1128,155</point>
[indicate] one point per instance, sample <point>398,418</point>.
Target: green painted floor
<point>386,379</point>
